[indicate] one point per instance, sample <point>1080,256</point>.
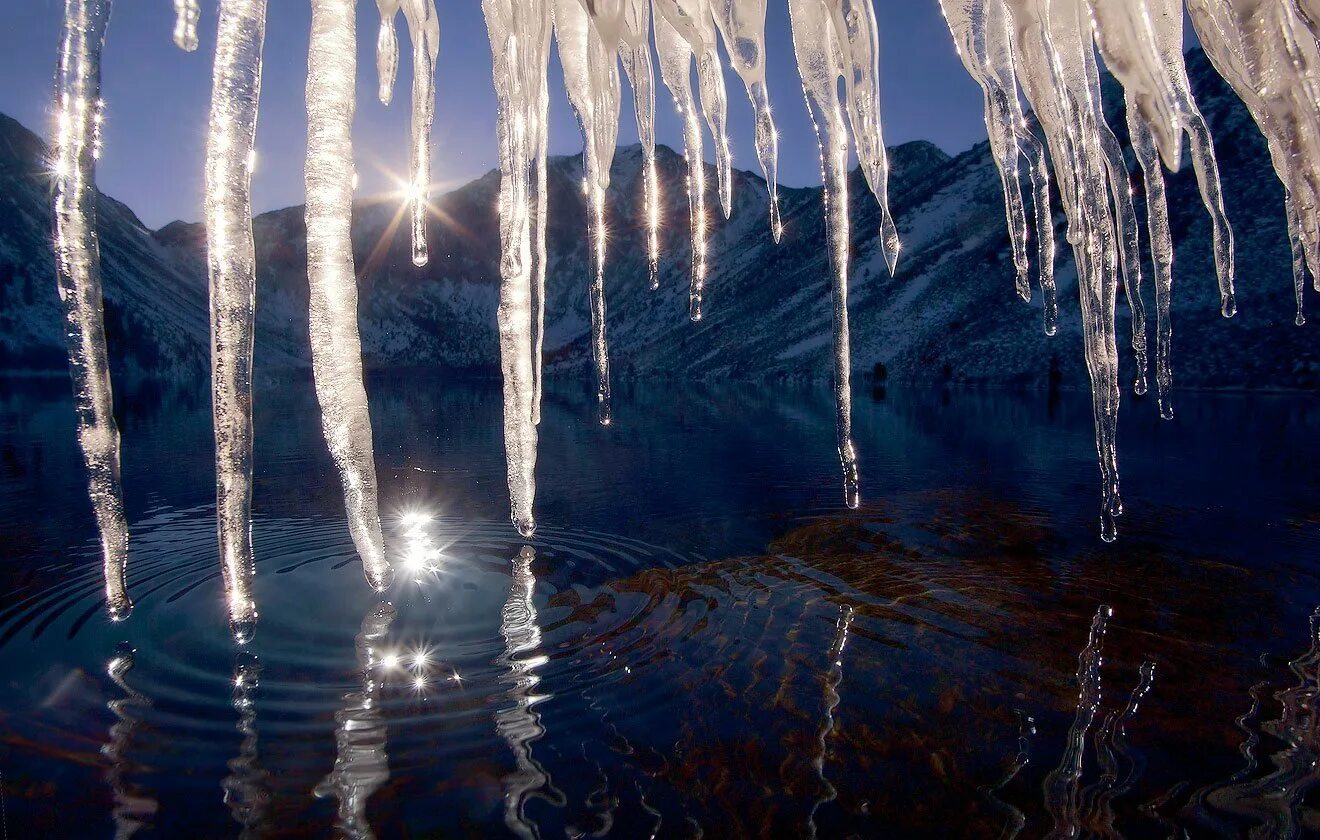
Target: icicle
<point>231,262</point>
<point>332,299</point>
<point>79,112</point>
<point>519,43</point>
<point>742,25</point>
<point>635,53</point>
<point>980,34</point>
<point>1254,49</point>
<point>591,76</point>
<point>857,45</point>
<point>691,19</point>
<point>675,70</point>
<point>1052,40</point>
<point>1167,20</point>
<point>186,15</point>
<point>387,50</point>
<point>817,48</point>
<point>424,33</point>
<point>1161,249</point>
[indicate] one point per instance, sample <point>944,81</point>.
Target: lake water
<point>700,640</point>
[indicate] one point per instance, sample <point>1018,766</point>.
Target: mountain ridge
<point>949,315</point>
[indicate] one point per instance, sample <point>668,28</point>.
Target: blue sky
<point>157,99</point>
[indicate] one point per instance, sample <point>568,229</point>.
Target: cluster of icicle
<point>1043,51</point>
<point>1046,50</point>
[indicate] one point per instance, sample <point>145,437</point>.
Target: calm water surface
<point>699,641</point>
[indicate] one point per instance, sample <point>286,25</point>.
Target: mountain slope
<point>949,314</point>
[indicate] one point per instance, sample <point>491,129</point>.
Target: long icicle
<point>742,25</point>
<point>538,27</point>
<point>675,69</point>
<point>231,264</point>
<point>591,77</point>
<point>516,31</point>
<point>817,48</point>
<point>332,298</point>
<point>186,15</point>
<point>79,112</point>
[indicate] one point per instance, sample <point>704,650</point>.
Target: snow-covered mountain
<point>949,314</point>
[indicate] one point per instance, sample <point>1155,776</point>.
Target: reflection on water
<point>518,722</point>
<point>699,640</point>
<point>361,765</point>
<point>132,808</point>
<point>245,787</point>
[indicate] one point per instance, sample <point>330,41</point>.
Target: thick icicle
<point>1253,46</point>
<point>79,112</point>
<point>818,48</point>
<point>424,33</point>
<point>332,298</point>
<point>981,36</point>
<point>675,69</point>
<point>742,25</point>
<point>591,76</point>
<point>231,263</point>
<point>519,42</point>
<point>691,19</point>
<point>186,15</point>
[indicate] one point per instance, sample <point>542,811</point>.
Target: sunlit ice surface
<point>917,663</point>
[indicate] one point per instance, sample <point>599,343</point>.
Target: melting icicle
<point>857,47</point>
<point>231,263</point>
<point>1260,78</point>
<point>818,48</point>
<point>742,25</point>
<point>691,19</point>
<point>675,69</point>
<point>591,76</point>
<point>519,42</point>
<point>1053,44</point>
<point>332,298</point>
<point>424,33</point>
<point>78,274</point>
<point>980,33</point>
<point>186,15</point>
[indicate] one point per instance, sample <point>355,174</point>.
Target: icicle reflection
<point>361,765</point>
<point>246,787</point>
<point>518,723</point>
<point>133,810</point>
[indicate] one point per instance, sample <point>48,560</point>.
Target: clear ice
<point>833,39</point>
<point>231,264</point>
<point>519,35</point>
<point>742,25</point>
<point>79,113</point>
<point>424,33</point>
<point>332,299</point>
<point>591,77</point>
<point>186,15</point>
